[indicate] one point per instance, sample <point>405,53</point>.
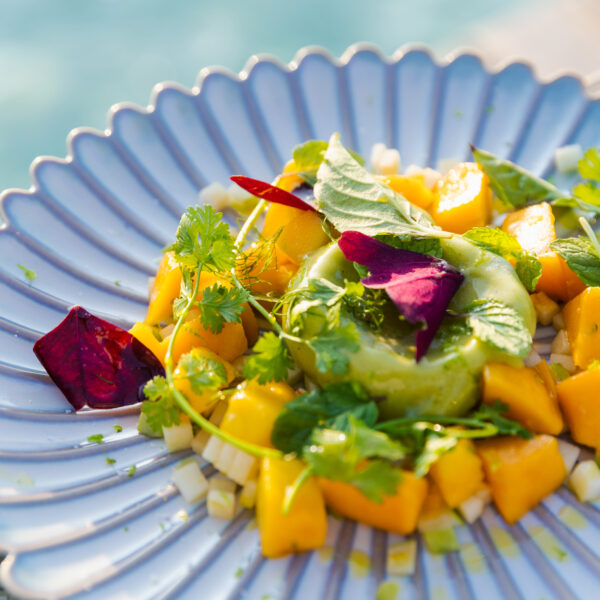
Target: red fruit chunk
<point>96,363</point>
<point>421,286</point>
<point>272,193</point>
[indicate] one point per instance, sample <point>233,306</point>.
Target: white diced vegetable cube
<point>215,195</point>
<point>200,440</point>
<point>225,458</point>
<point>430,176</point>
<point>220,501</point>
<point>389,162</point>
<point>569,453</point>
<point>212,449</point>
<point>190,481</point>
<point>218,482</point>
<point>446,164</point>
<point>560,343</point>
<point>402,558</point>
<point>566,158</point>
<point>242,467</point>
<point>446,519</point>
<point>472,508</point>
<point>585,481</point>
<point>532,359</point>
<point>565,360</point>
<point>248,493</point>
<point>558,322</point>
<point>178,437</point>
<point>376,151</point>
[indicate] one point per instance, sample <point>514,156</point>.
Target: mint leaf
<point>352,199</point>
<point>159,407</point>
<point>270,360</point>
<point>30,274</point>
<point>431,246</point>
<point>332,347</point>
<point>513,185</point>
<point>323,408</point>
<point>528,267</point>
<point>203,372</point>
<point>499,325</point>
<point>309,156</point>
<point>581,258</point>
<point>203,239</point>
<point>220,305</point>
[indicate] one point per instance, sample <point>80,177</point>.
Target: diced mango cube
<point>143,333</point>
<point>412,187</point>
<point>302,236</point>
<point>582,321</point>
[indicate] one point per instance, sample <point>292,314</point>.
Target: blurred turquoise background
<point>63,63</point>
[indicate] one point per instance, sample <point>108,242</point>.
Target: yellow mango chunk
<point>528,399</point>
<point>412,187</point>
<point>305,527</point>
<point>165,289</point>
<point>462,199</point>
<point>253,408</point>
<point>582,322</point>
<point>533,228</point>
<point>302,236</point>
<point>545,374</point>
<point>521,472</point>
<point>144,334</point>
<point>398,513</point>
<point>579,398</point>
<point>277,217</point>
<point>434,505</point>
<point>250,325</point>
<point>198,398</point>
<point>458,473</point>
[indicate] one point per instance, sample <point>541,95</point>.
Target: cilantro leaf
<point>352,199</point>
<point>589,165</point>
<point>499,325</point>
<point>203,372</point>
<point>528,267</point>
<point>492,413</point>
<point>332,347</point>
<point>323,407</point>
<point>203,239</point>
<point>431,246</point>
<point>581,257</point>
<point>270,360</point>
<point>309,156</point>
<point>220,305</point>
<point>159,407</point>
<point>513,185</point>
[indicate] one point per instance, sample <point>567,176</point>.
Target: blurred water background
<point>63,63</point>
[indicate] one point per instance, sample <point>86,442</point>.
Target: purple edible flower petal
<point>270,192</point>
<point>421,286</point>
<point>96,363</point>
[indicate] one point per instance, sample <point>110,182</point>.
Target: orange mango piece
<point>533,228</point>
<point>305,527</point>
<point>579,398</point>
<point>458,473</point>
<point>545,374</point>
<point>434,504</point>
<point>166,288</point>
<point>398,513</point>
<point>302,236</point>
<point>253,408</point>
<point>412,187</point>
<point>521,472</point>
<point>582,322</point>
<point>198,398</point>
<point>144,334</point>
<point>250,325</point>
<point>462,199</point>
<point>526,395</point>
<point>277,217</point>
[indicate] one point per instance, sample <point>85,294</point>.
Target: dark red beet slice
<point>269,192</point>
<point>96,363</point>
<point>421,286</point>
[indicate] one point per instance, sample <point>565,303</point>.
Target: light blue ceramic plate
<point>92,227</point>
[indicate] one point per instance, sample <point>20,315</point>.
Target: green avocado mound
<point>447,380</point>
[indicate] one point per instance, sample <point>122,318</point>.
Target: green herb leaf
<point>220,305</point>
<point>203,239</point>
<point>97,438</point>
<point>493,413</point>
<point>433,448</point>
<point>110,461</point>
<point>581,257</point>
<point>332,347</point>
<point>589,165</point>
<point>270,360</point>
<point>30,275</point>
<point>322,408</point>
<point>118,428</point>
<point>499,325</point>
<point>528,267</point>
<point>131,471</point>
<point>203,373</point>
<point>352,199</point>
<point>513,185</point>
<point>309,156</point>
<point>431,246</point>
<point>159,407</point>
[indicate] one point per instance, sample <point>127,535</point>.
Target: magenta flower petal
<point>96,363</point>
<point>421,286</point>
<point>269,192</point>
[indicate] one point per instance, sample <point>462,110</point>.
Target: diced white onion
<point>570,454</point>
<point>430,176</point>
<point>402,558</point>
<point>220,501</point>
<point>472,508</point>
<point>558,322</point>
<point>243,467</point>
<point>566,158</point>
<point>225,458</point>
<point>444,520</point>
<point>190,481</point>
<point>178,437</point>
<point>199,442</point>
<point>566,360</point>
<point>385,161</point>
<point>215,195</point>
<point>248,493</point>
<point>585,481</point>
<point>212,449</point>
<point>532,359</point>
<point>560,344</point>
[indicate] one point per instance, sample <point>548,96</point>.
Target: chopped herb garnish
<point>131,471</point>
<point>110,461</point>
<point>30,274</point>
<point>97,438</point>
<point>118,428</point>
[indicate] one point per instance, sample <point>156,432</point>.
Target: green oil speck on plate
<point>572,518</point>
<point>387,590</point>
<point>439,593</point>
<point>548,544</point>
<point>504,542</point>
<point>472,558</point>
<point>359,563</point>
<point>325,553</point>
